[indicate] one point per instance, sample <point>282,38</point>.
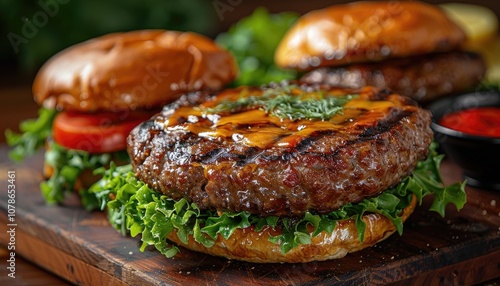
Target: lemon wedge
<point>479,23</point>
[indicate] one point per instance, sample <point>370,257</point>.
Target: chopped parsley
<point>283,103</point>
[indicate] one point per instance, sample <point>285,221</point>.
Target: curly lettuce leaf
<point>133,207</point>
<point>67,166</point>
<point>33,134</point>
<point>428,177</point>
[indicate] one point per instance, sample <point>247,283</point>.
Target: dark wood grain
<point>27,273</point>
<point>462,248</point>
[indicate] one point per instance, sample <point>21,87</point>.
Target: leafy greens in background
<point>253,40</point>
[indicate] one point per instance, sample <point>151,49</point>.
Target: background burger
<point>289,172</point>
<point>409,47</point>
<point>92,94</point>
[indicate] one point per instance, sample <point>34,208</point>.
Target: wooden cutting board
<point>80,246</point>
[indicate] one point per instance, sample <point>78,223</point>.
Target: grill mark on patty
<point>308,141</point>
<point>212,156</point>
<point>395,116</point>
<point>252,153</point>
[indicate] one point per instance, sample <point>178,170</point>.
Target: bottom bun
<point>248,245</point>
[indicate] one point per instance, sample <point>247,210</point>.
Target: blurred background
<point>33,31</point>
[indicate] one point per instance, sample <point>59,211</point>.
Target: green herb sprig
<point>282,103</point>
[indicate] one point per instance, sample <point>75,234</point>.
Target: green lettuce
<point>134,208</point>
<point>67,166</point>
<point>33,134</point>
<point>252,41</point>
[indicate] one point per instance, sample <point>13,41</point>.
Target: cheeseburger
<point>94,93</point>
<point>409,47</point>
<point>289,172</point>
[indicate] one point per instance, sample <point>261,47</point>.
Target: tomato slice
<point>102,132</point>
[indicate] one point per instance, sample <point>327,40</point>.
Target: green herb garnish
<point>136,208</point>
<point>33,134</point>
<point>282,103</point>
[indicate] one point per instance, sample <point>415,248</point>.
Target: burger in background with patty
<point>409,47</point>
<point>94,93</point>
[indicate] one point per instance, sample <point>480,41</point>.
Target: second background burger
<point>409,47</point>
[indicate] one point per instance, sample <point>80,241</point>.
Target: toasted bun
<point>139,69</point>
<point>367,31</point>
<point>251,246</point>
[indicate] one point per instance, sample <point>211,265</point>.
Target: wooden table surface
<point>16,104</point>
<point>463,248</point>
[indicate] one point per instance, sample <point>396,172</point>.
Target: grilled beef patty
<point>423,78</point>
<point>245,159</point>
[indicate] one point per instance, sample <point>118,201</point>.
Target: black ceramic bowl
<point>478,156</point>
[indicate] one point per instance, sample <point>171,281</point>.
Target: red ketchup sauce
<point>482,121</point>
